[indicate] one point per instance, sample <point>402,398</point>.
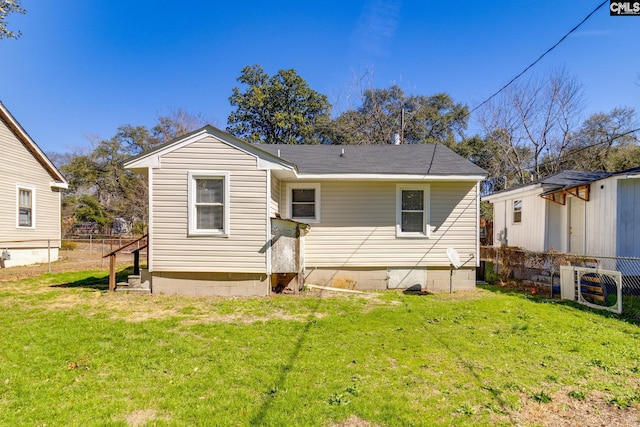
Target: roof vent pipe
<point>342,153</point>
<point>395,139</point>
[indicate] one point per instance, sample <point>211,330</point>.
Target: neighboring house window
<point>517,211</point>
<point>208,200</point>
<point>412,211</point>
<point>303,202</point>
<point>26,203</point>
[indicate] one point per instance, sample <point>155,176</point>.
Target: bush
<point>68,245</point>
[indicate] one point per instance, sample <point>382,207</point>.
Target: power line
<point>539,58</point>
<point>570,154</point>
<point>564,158</point>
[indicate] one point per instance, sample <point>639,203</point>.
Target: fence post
<point>49,254</point>
<point>112,273</point>
<point>102,258</point>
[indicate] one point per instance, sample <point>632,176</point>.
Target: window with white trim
<point>26,212</point>
<point>303,202</point>
<point>517,211</point>
<point>208,200</point>
<point>412,210</point>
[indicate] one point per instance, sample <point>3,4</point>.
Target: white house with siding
<point>30,190</point>
<point>377,216</point>
<point>585,213</point>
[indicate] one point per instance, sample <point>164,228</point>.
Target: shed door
<point>576,225</point>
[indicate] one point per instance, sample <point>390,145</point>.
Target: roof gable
<point>416,160</point>
<point>32,147</point>
<point>151,158</point>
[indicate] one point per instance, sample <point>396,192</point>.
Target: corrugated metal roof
<point>569,179</point>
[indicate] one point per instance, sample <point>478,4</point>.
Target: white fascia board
<point>153,159</point>
<point>264,164</point>
<point>59,185</point>
<point>31,145</point>
<point>518,192</point>
<point>388,177</point>
<point>151,162</point>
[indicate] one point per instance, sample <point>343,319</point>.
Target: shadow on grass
<point>416,290</point>
<point>259,418</point>
<point>630,305</point>
<point>96,283</point>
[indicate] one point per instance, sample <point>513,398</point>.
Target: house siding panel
<point>530,232</point>
<point>243,251</point>
<point>600,225</point>
<point>19,166</point>
<point>628,225</point>
<point>357,227</point>
<point>275,197</point>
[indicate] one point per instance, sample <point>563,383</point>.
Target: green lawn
<point>73,354</point>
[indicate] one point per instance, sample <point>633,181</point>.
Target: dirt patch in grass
<point>595,410</point>
<point>354,421</point>
<point>140,417</point>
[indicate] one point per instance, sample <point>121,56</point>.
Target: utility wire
<point>563,158</point>
<point>539,58</point>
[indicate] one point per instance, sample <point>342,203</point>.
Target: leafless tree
<point>535,121</point>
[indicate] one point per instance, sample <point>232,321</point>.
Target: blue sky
<point>83,68</point>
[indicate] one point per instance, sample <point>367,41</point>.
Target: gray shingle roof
<point>414,159</point>
<point>570,179</point>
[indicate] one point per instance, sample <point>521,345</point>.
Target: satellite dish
<point>454,258</point>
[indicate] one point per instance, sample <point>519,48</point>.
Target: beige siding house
<point>30,190</point>
<point>374,217</point>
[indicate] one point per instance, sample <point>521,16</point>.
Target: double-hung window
<point>208,200</point>
<point>26,202</point>
<point>517,211</point>
<point>412,210</point>
<point>304,202</point>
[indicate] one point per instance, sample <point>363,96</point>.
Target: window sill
<point>412,236</point>
<point>306,220</point>
<point>206,234</point>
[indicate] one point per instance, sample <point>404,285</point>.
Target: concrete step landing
<point>134,284</point>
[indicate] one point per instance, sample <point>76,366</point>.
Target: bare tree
<point>535,121</point>
<point>177,123</point>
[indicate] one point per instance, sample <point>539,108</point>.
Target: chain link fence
<point>539,272</point>
<point>54,255</point>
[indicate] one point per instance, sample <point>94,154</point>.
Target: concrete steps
<point>134,285</point>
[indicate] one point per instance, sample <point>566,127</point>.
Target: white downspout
<point>150,224</point>
<point>478,224</point>
<point>268,230</point>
